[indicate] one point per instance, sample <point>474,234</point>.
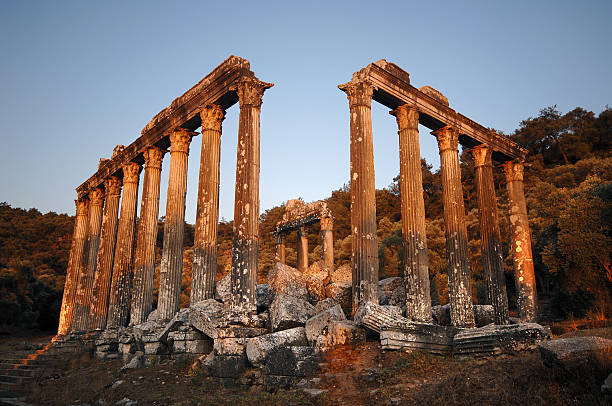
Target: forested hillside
<point>568,187</point>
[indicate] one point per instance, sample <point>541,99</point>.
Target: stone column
<point>171,268</point>
<point>302,250</point>
<point>106,255</point>
<point>119,300</point>
<point>280,248</point>
<point>524,275</point>
<point>79,236</point>
<point>207,214</point>
<point>327,242</point>
<point>246,203</point>
<point>416,264</point>
<point>459,280</point>
<point>85,289</point>
<point>364,260</point>
<point>490,237</point>
<point>144,257</point>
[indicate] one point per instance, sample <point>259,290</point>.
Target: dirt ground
<point>364,375</point>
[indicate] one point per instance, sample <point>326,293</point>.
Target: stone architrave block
<point>571,352</point>
<point>289,311</point>
<point>319,324</point>
<point>418,336</point>
<point>258,348</point>
<point>283,279</point>
<point>493,339</point>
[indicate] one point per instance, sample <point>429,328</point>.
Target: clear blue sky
<point>79,77</point>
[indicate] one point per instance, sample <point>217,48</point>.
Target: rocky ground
<point>360,375</point>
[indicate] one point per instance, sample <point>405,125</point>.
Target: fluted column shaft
<point>85,290</point>
<point>416,263</point>
<point>119,300</point>
<point>246,203</point>
<point>79,236</point>
<point>327,242</point>
<point>459,278</point>
<point>490,236</point>
<point>280,248</point>
<point>522,256</point>
<point>207,214</point>
<point>106,254</point>
<point>171,269</point>
<point>364,259</point>
<point>302,250</point>
<point>146,236</point>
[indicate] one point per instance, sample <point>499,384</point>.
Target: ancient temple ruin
<point>108,294</point>
<point>297,216</point>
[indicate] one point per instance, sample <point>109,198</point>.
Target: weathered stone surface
<point>324,305</point>
<point>223,289</point>
<point>155,348</point>
<point>289,311</point>
<point>264,296</point>
<point>571,352</point>
<point>320,323</point>
<point>180,318</point>
<point>483,315</point>
<point>435,94</point>
<point>492,339</point>
<point>204,314</point>
<point>316,288</point>
<point>292,361</point>
<point>343,332</point>
<point>340,293</point>
<point>258,348</point>
<point>342,274</point>
<point>398,297</point>
<point>283,279</point>
<point>418,336</point>
<point>137,361</point>
<point>226,366</point>
<point>374,316</point>
<point>230,346</point>
<point>386,288</point>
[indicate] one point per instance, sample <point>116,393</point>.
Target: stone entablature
<point>218,87</point>
<point>392,88</point>
<point>298,213</point>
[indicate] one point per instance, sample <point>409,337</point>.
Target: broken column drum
<point>102,281</point>
<point>171,267</point>
<point>119,299</point>
<point>74,262</point>
<point>146,237</point>
<point>85,289</point>
<point>490,236</point>
<point>457,257</point>
<point>416,264</point>
<point>327,242</point>
<point>522,256</point>
<point>207,215</point>
<point>364,259</point>
<point>246,204</point>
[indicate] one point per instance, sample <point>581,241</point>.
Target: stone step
<point>24,371</point>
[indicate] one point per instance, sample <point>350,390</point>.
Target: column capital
<point>250,91</point>
<point>514,171</point>
<point>212,116</point>
<point>448,138</point>
<point>358,92</point>
<point>112,186</point>
<point>327,224</point>
<point>96,196</point>
<point>117,150</point>
<point>81,206</point>
<point>131,172</point>
<point>153,157</point>
<point>180,139</point>
<point>407,117</point>
<point>482,156</point>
